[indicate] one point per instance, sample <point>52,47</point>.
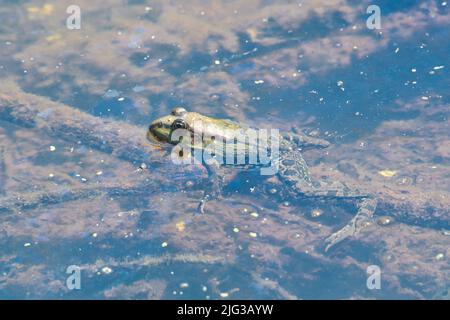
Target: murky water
<point>74,192</point>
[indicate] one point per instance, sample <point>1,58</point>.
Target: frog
<point>292,169</point>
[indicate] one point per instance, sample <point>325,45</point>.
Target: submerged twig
<point>22,202</point>
<point>152,261</point>
<point>118,138</point>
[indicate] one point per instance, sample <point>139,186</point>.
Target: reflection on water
<point>380,96</point>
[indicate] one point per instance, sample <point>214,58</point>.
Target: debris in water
<point>387,173</point>
<point>180,226</point>
<point>316,213</point>
<point>385,220</point>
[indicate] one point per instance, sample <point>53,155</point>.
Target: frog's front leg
<point>216,176</point>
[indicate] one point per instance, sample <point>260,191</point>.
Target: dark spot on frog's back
<point>291,173</point>
<point>288,162</point>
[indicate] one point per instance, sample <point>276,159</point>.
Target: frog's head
<point>161,129</point>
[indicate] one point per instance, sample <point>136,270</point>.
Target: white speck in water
<point>52,148</point>
<point>99,173</point>
<point>259,81</point>
<point>397,50</point>
<point>164,244</point>
<point>121,99</point>
<point>413,70</point>
<point>224,294</point>
<point>438,67</point>
<point>439,256</point>
<point>143,166</point>
<point>27,244</point>
<point>217,62</point>
<point>106,270</point>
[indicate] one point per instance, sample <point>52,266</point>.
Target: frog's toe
<point>202,203</point>
<point>201,207</point>
<point>347,231</point>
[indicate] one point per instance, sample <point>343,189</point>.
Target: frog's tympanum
<point>291,167</point>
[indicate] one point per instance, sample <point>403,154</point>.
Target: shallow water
<point>379,96</point>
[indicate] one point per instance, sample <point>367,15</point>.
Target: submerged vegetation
<point>81,185</point>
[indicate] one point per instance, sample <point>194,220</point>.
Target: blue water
<point>269,66</point>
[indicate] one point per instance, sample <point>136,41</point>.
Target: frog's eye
<point>179,124</point>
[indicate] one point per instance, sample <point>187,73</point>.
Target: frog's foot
<point>304,141</point>
<point>202,203</point>
<point>215,194</point>
<point>365,213</point>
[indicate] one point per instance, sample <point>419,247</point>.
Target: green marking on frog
<point>292,168</point>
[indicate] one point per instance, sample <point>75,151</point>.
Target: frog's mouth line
<point>153,135</point>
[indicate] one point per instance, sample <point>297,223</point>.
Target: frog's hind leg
<point>365,203</point>
<point>294,171</point>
